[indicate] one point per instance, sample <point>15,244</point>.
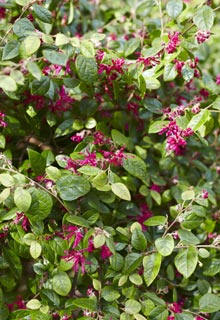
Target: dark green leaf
<point>41,205</point>
<point>23,27</point>
<point>42,13</point>
<point>11,50</point>
<point>40,87</point>
<point>132,262</point>
<point>72,187</point>
<point>135,166</point>
<point>130,46</point>
<point>54,57</point>
<point>84,303</point>
<point>38,163</point>
<point>138,240</point>
<point>86,69</point>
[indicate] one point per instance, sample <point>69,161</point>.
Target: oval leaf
<point>165,245</point>
<point>186,261</point>
<point>22,199</point>
<point>61,283</point>
<point>72,187</point>
<point>120,190</point>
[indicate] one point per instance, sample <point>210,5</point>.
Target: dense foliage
<point>109,164</point>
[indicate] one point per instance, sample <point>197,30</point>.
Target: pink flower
<point>78,137</point>
<point>18,304</point>
<point>217,79</point>
<point>175,135</point>
<point>155,187</point>
<point>77,258</point>
<point>175,307</point>
<point>100,139</point>
<point>202,36</point>
<point>105,252</point>
<point>73,231</point>
<point>173,43</point>
<point>2,122</point>
<point>25,222</point>
<point>205,194</point>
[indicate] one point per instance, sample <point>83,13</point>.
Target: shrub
<point>109,177</point>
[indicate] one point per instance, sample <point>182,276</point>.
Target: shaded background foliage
<point>110,160</point>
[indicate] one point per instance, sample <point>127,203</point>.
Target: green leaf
<point>212,267</point>
<point>151,265</point>
<point>7,83</point>
<point>157,126</point>
<point>120,190</point>
<point>170,72</point>
<point>5,194</point>
<point>89,170</point>
<point>2,141</point>
<point>33,304</point>
<point>109,294</point>
<point>61,39</point>
<point>136,279</point>
<point>174,8</point>
<point>23,27</point>
<point>135,166</point>
<point>6,180</point>
<point>87,49</point>
<point>34,70</point>
<point>99,240</point>
<point>72,187</point>
<point>209,303</point>
<point>188,73</point>
<point>155,221</point>
<point>61,283</point>
<point>35,249</point>
<point>54,57</point>
<point>130,46</point>
<point>204,18</point>
<point>119,138</point>
<point>30,45</point>
<point>41,205</point>
<point>138,240</point>
<point>53,173</point>
<point>79,221</point>
<point>186,261</point>
<point>151,83</point>
<point>156,196</point>
<point>132,262</point>
<point>42,13</point>
<point>38,163</point>
<point>187,237</point>
<point>86,69</point>
<point>116,261</point>
<point>199,119</point>
<point>84,303</point>
<point>11,50</point>
<point>153,105</point>
<point>40,87</point>
<point>4,311</point>
<point>188,195</point>
<point>184,316</point>
<point>132,306</point>
<point>165,245</point>
<point>22,199</point>
<point>159,313</point>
